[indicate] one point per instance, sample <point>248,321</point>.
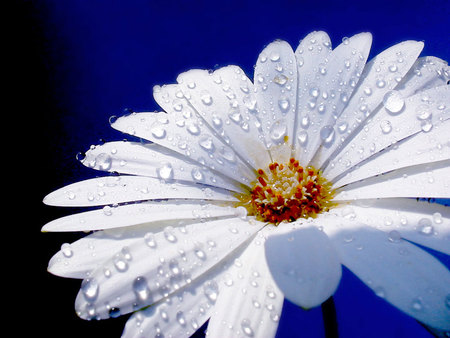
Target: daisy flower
<point>241,193</point>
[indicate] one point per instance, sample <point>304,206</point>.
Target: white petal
<point>230,109</point>
<point>426,180</point>
<point>420,148</point>
<point>275,82</point>
<point>152,160</point>
<point>249,303</point>
<point>428,72</point>
<point>80,258</point>
<point>419,113</point>
<point>424,223</point>
<point>185,134</point>
<point>399,272</point>
<point>140,275</point>
<point>330,91</point>
<point>139,213</point>
<point>180,314</point>
<point>311,55</point>
<point>304,265</point>
<point>121,189</point>
<point>379,76</point>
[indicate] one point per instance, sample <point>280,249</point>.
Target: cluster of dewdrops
<point>286,192</point>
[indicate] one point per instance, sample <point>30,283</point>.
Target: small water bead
<point>197,175</point>
<point>169,235</point>
<point>278,131</point>
<point>114,312</point>
<point>180,318</point>
<point>393,102</point>
<point>206,143</point>
<point>284,104</point>
<point>416,304</point>
<point>304,122</point>
<point>423,112</point>
<point>90,288</point>
<point>386,126</point>
<point>274,56</point>
<point>206,99</point>
<point>246,328</point>
<point>437,218</point>
<point>104,161</point>
<point>280,79</point>
<point>211,291</point>
<point>165,172</point>
<point>158,132</point>
<point>380,83</point>
<point>327,135</point>
<point>425,227</point>
<point>302,138</point>
<point>394,236</point>
<point>217,121</point>
<point>66,250</point>
<point>426,126</point>
<point>380,292</point>
<point>193,129</point>
<point>149,239</point>
<point>140,288</point>
<point>120,264</point>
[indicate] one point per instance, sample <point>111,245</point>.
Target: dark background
<point>76,63</point>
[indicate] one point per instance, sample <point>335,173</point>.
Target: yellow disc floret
<point>286,192</point>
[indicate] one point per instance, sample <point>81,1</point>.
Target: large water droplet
<point>165,172</point>
<point>386,126</point>
<point>104,161</point>
<point>211,291</point>
<point>280,79</point>
<point>393,102</point>
<point>327,135</point>
<point>206,143</point>
<point>193,128</point>
<point>89,288</point>
<point>140,288</point>
<point>158,132</point>
<point>278,131</point>
<point>425,227</point>
<point>246,328</point>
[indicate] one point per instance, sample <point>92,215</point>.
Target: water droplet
<point>368,91</point>
<point>240,212</point>
<point>425,227</point>
<point>120,264</point>
<point>211,291</point>
<point>280,79</point>
<point>104,161</point>
<point>302,138</point>
<point>140,288</point>
<point>158,132</point>
<point>169,235</point>
<point>180,318</point>
<point>381,83</point>
<point>66,250</point>
<point>284,104</point>
<point>426,126</point>
<point>217,121</point>
<point>437,218</point>
<point>386,126</point>
<point>379,291</point>
<point>394,236</point>
<point>206,99</point>
<point>206,143</point>
<point>114,312</point>
<point>327,135</point>
<point>246,328</point>
<point>274,56</point>
<point>165,172</point>
<point>304,122</point>
<point>278,131</point>
<point>393,102</point>
<point>423,112</point>
<point>197,175</point>
<point>193,128</point>
<point>416,304</point>
<point>89,288</point>
<point>149,239</point>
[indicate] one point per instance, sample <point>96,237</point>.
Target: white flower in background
<point>250,192</point>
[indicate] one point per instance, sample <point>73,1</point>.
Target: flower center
<point>286,192</point>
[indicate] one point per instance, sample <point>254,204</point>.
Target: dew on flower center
<point>286,192</point>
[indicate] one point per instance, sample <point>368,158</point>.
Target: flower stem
<point>329,318</point>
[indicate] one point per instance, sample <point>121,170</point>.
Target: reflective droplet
<point>217,121</point>
<point>114,312</point>
<point>66,250</point>
<point>104,161</point>
<point>426,126</point>
<point>206,143</point>
<point>386,126</point>
<point>302,138</point>
<point>393,102</point>
<point>284,104</point>
<point>140,288</point>
<point>206,99</point>
<point>165,172</point>
<point>120,264</point>
<point>394,236</point>
<point>278,131</point>
<point>425,227</point>
<point>280,79</point>
<point>180,318</point>
<point>193,129</point>
<point>381,83</point>
<point>246,328</point>
<point>89,288</point>
<point>379,291</point>
<point>169,235</point>
<point>197,175</point>
<point>416,304</point>
<point>437,218</point>
<point>211,291</point>
<point>150,240</point>
<point>158,132</point>
<point>327,135</point>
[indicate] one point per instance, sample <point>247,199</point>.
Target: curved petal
<point>420,148</point>
<point>139,276</point>
<point>121,189</point>
<point>418,113</point>
<point>138,213</point>
<point>399,272</point>
<point>379,76</point>
<point>304,264</point>
<point>155,161</point>
<point>275,83</point>
<point>250,303</point>
<point>186,135</point>
<point>231,110</point>
<point>421,222</point>
<point>334,86</point>
<point>424,180</point>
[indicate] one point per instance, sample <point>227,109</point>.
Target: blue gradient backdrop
<point>80,62</point>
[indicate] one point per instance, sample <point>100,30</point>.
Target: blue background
<point>76,63</point>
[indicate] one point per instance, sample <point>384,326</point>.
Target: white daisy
<point>250,192</point>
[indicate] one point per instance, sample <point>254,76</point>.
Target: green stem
<point>329,318</point>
